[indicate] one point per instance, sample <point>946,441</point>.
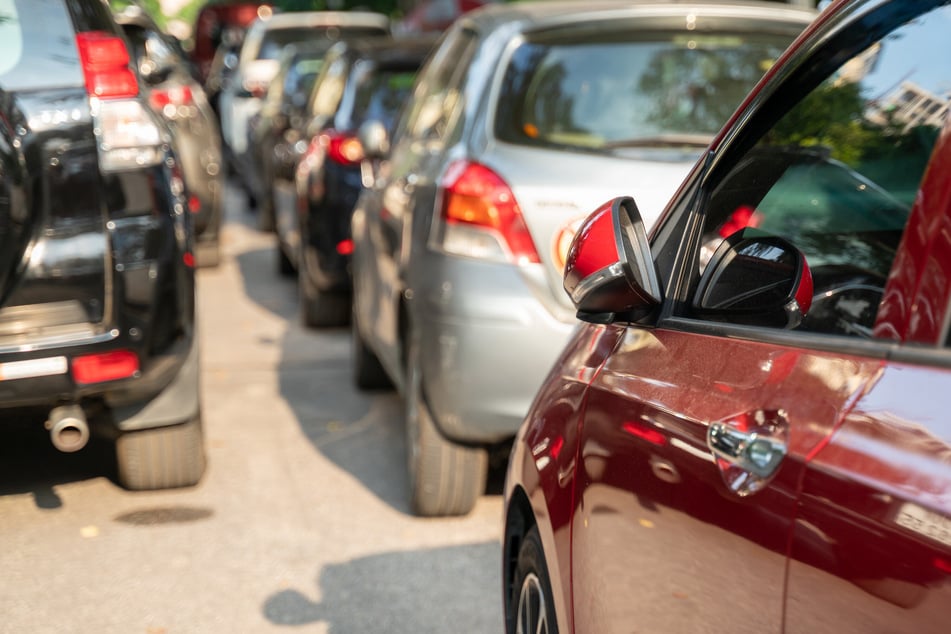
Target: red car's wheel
<point>534,606</point>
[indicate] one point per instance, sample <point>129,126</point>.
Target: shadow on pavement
<point>413,592</point>
<point>361,432</point>
<point>30,464</point>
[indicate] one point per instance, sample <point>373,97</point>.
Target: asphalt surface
<point>300,523</point>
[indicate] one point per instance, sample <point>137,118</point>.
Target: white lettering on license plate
<point>925,522</point>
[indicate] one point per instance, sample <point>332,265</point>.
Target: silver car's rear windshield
<point>630,91</point>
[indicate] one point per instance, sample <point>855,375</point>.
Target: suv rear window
<point>275,40</point>
<point>609,90</point>
<point>38,52</point>
<point>381,94</point>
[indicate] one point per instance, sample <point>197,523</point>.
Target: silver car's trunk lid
<point>556,190</point>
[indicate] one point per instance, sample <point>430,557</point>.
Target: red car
<point>220,22</point>
<point>749,430</point>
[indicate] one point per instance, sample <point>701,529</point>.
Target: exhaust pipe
<point>68,428</point>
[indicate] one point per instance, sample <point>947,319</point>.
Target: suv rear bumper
<point>164,392</point>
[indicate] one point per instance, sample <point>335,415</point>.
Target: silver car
<point>526,117</point>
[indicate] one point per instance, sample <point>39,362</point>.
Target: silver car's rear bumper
<point>486,345</point>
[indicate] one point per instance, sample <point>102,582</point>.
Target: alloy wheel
<point>532,616</point>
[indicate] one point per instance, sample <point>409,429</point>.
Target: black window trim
<point>886,350</point>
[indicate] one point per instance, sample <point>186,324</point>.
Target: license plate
<point>49,366</point>
<point>925,522</point>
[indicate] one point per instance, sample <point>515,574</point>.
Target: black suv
<point>97,294</point>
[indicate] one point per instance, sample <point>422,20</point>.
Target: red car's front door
<point>657,511</point>
<point>872,545</point>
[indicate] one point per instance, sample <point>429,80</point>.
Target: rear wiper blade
<point>663,140</point>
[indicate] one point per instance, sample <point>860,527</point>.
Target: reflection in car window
<point>838,174</point>
<point>436,103</point>
<point>301,77</point>
<point>160,52</point>
<point>380,95</point>
<point>292,85</point>
<point>275,40</point>
<point>629,90</point>
<point>329,87</point>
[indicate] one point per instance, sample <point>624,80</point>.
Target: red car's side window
<point>838,174</point>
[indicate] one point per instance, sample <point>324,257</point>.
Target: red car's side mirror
<point>609,271</point>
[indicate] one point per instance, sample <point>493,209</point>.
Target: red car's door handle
<point>754,452</point>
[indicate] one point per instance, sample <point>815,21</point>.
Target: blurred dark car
<point>222,22</point>
<point>97,295</point>
<point>221,69</point>
<point>749,431</point>
<point>258,62</point>
<point>276,132</point>
<point>177,96</point>
<point>364,81</point>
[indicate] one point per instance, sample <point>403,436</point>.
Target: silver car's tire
<point>162,457</point>
<point>285,267</point>
<point>532,601</point>
<point>368,372</point>
<point>445,478</point>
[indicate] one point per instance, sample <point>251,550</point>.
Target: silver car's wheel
<point>531,609</point>
<point>368,372</point>
<point>445,478</point>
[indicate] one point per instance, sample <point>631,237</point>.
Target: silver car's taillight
<point>481,218</point>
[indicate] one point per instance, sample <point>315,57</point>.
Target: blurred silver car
<point>526,118</point>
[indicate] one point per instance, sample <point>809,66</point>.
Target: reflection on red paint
<point>942,564</point>
<point>742,218</point>
<point>645,433</point>
<point>556,446</point>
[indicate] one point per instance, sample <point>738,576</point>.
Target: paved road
<point>300,524</point>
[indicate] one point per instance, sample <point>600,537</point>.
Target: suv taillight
<point>105,60</point>
<point>481,217</point>
<point>129,136</point>
<point>106,366</point>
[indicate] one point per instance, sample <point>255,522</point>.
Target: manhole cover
<point>165,515</point>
